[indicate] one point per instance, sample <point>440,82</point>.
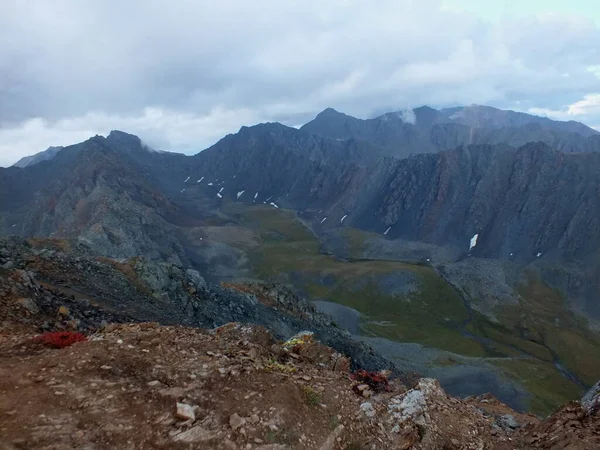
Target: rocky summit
<point>423,279</point>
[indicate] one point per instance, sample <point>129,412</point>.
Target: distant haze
<point>183,74</point>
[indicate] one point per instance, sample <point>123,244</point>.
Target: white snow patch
<point>324,219</point>
<point>239,194</point>
<point>273,204</point>
<point>187,179</point>
<point>200,180</point>
<point>387,231</point>
<point>269,198</point>
<point>14,225</point>
<point>219,195</point>
<point>408,116</point>
<point>342,221</point>
<point>255,195</point>
<point>221,190</point>
<point>538,255</point>
<point>210,184</point>
<point>234,176</point>
<point>473,242</point>
<point>183,190</point>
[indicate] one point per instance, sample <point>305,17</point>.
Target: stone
<point>342,364</point>
<point>63,311</point>
<point>235,421</point>
<point>362,387</point>
<point>507,421</point>
<point>591,400</point>
<point>196,434</point>
<point>185,412</point>
<point>154,383</point>
<point>30,305</point>
<point>367,409</point>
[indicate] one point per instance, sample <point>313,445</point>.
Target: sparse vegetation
<point>61,339</point>
<point>433,315</point>
<point>311,396</point>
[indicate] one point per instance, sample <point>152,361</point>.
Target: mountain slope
<point>426,130</point>
<point>478,116</point>
<point>495,227</point>
<point>47,154</point>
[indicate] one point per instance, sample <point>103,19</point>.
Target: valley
<point>398,302</point>
<point>469,260</point>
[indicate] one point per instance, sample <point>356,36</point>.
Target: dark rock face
<point>426,130</point>
<point>140,289</point>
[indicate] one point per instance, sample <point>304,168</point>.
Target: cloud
<point>160,129</point>
<point>586,110</point>
<point>182,74</point>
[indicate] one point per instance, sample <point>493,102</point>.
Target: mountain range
<point>478,225</point>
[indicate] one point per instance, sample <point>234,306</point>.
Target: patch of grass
<point>287,436</point>
<point>548,388</point>
<point>543,325</point>
<point>276,366</point>
<point>333,421</point>
<point>310,396</point>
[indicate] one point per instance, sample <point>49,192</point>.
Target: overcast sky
<point>181,74</point>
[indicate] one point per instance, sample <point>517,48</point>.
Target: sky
<point>181,74</point>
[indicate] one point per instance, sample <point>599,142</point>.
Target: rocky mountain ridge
<point>488,220</point>
<point>426,130</point>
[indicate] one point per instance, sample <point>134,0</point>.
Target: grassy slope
<point>527,336</point>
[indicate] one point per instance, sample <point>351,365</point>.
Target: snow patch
<point>342,221</point>
<point>234,176</point>
<point>187,179</point>
<point>219,195</point>
<point>210,184</point>
<point>473,242</point>
<point>200,180</point>
<point>324,219</point>
<point>183,190</point>
<point>387,231</point>
<point>239,194</point>
<point>255,195</point>
<point>269,199</point>
<point>221,190</point>
<point>538,255</point>
<point>273,204</point>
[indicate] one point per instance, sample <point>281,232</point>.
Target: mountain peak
<point>329,112</point>
<point>117,135</point>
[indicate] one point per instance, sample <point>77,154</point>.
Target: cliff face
<point>426,130</point>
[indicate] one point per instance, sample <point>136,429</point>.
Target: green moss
<point>540,327</point>
<point>548,388</point>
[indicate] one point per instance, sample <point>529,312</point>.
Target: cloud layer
<point>182,74</point>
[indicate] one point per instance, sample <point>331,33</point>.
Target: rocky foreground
<point>143,386</point>
<point>84,364</point>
